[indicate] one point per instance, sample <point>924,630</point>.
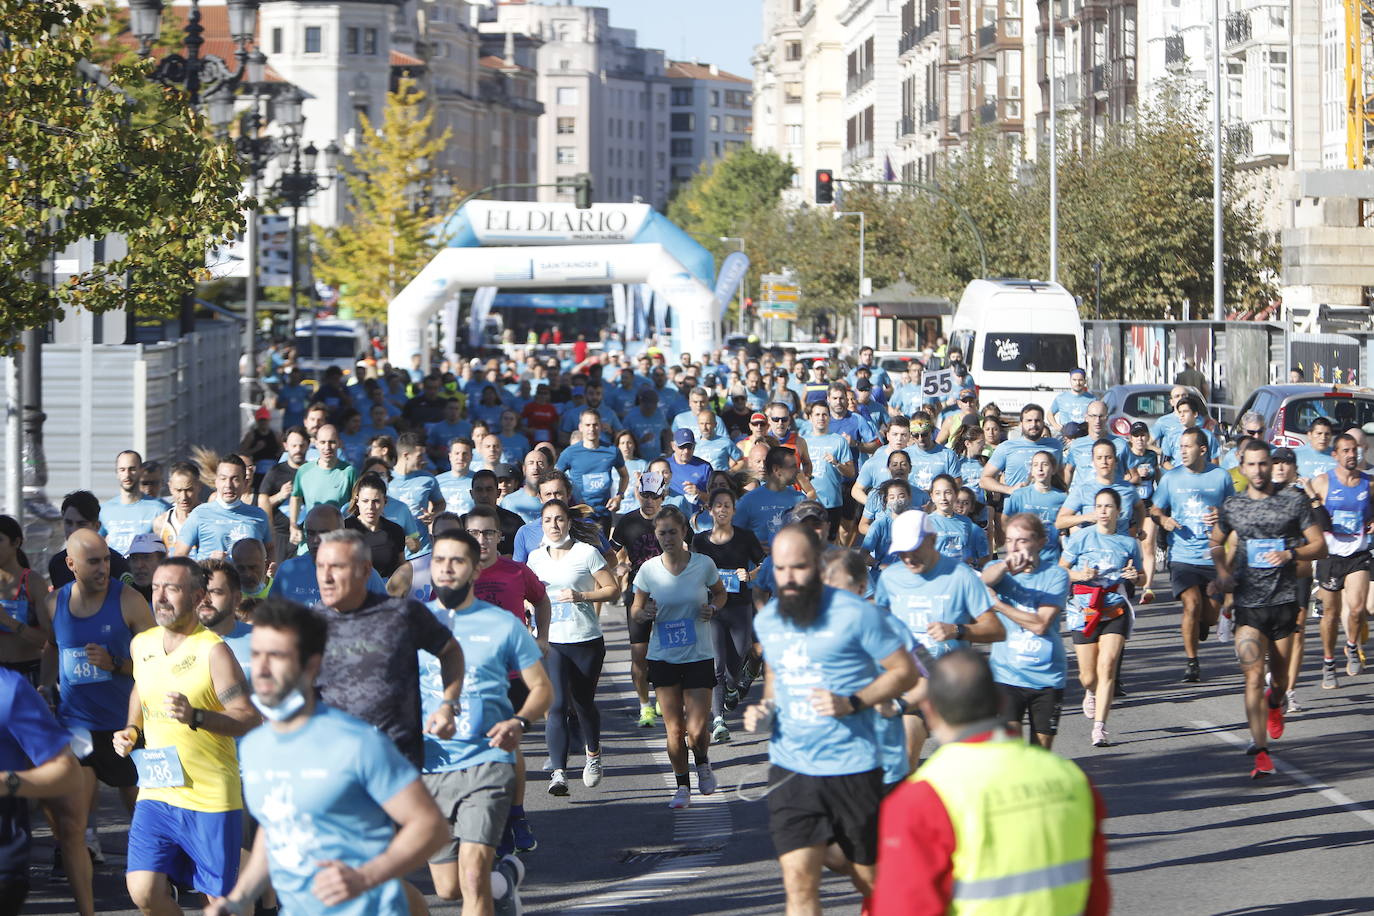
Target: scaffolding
<point>1359,82</point>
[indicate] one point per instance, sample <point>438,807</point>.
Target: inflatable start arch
<point>527,245</point>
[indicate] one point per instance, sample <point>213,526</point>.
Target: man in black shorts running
<point>1270,530</point>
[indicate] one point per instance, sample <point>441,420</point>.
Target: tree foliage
<point>1138,202</point>
<point>92,153</point>
<point>390,235</point>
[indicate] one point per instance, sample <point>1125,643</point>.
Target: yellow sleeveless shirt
<point>209,761</point>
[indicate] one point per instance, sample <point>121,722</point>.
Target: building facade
<point>710,114</point>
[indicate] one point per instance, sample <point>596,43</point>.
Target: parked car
<point>1288,410</point>
<point>1127,404</point>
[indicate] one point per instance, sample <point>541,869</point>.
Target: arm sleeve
<point>430,634</point>
<point>534,589</point>
<point>381,768</point>
<point>998,460</point>
<point>915,853</point>
<point>1161,494</point>
<point>189,534</point>
<point>296,482</point>
<point>31,725</point>
<point>877,640</point>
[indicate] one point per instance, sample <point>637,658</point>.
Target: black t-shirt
<point>387,543</point>
<point>1262,525</point>
<point>635,534</point>
<point>510,524</point>
<point>273,481</point>
<point>742,551</point>
<point>370,669</point>
<point>59,575</point>
<point>261,445</point>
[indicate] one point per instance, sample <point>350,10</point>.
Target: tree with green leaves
<point>92,152</point>
<point>389,236</point>
<point>725,192</point>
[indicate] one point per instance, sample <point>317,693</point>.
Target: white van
<point>1020,339</point>
<point>341,341</point>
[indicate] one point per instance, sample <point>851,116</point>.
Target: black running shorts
<point>818,810</point>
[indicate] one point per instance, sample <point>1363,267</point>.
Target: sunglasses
<point>779,419</point>
<point>1254,432</point>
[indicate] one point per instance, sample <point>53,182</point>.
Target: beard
<point>801,604</point>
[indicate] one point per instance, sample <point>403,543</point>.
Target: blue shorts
<point>199,849</point>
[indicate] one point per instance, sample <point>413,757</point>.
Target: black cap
<point>780,373</point>
<point>506,472</point>
<point>1283,456</point>
<point>806,510</point>
<point>1075,430</point>
<point>1139,429</point>
<point>863,384</point>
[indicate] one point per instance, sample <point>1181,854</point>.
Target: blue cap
<point>684,437</point>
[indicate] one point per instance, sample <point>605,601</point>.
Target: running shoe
<point>647,717</point>
<point>1275,715</point>
<point>681,798</point>
<point>1329,676</point>
<point>748,674</point>
<point>706,779</point>
<point>507,844</point>
<point>1317,609</point>
<point>1353,664</point>
<point>1119,691</point>
<point>558,784</point>
<point>93,847</point>
<point>525,840</point>
<point>720,734</point>
<point>658,708</point>
<point>1089,705</point>
<point>1100,735</point>
<point>1226,629</point>
<point>1293,704</point>
<point>1192,673</point>
<point>508,904</point>
<point>731,699</point>
<point>591,771</point>
<point>1263,765</point>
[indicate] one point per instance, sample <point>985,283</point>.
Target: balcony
<point>906,127</point>
<point>930,113</point>
<point>927,26</point>
<point>907,42</point>
<point>986,35</point>
<point>987,112</point>
<point>1175,54</point>
<point>1237,30</point>
<point>1098,79</point>
<point>858,80</point>
<point>1239,140</point>
<point>858,154</point>
<point>1259,140</point>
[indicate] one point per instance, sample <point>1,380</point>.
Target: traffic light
<point>749,306</point>
<point>825,186</point>
<point>583,190</point>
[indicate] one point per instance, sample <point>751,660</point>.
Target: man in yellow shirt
<point>188,704</point>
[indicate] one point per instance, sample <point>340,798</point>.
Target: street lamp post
<point>1054,149</point>
<point>745,287</point>
<point>859,309</point>
<point>296,186</point>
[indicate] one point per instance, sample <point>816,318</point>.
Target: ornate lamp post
<point>298,183</point>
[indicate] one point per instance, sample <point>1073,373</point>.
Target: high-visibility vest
<point>1023,823</point>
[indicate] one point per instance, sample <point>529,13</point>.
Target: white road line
<point>707,823</point>
<point>1335,796</point>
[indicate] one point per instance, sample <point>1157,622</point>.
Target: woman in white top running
<point>680,591</point>
<point>575,575</point>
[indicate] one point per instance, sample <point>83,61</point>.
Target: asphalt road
<point>1189,832</point>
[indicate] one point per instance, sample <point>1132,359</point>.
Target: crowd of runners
<point>355,644</point>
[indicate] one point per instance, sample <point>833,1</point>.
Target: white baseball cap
<point>146,542</point>
<point>909,529</point>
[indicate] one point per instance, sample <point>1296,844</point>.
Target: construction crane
<point>1359,82</point>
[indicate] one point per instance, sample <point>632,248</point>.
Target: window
<point>1010,352</point>
<point>715,149</point>
<point>351,40</point>
<point>792,134</point>
<point>682,96</point>
<point>792,92</point>
<point>567,95</point>
<point>567,155</point>
<point>314,39</point>
<point>683,122</point>
<point>276,41</point>
<point>792,50</point>
<point>682,148</point>
<point>567,125</point>
<point>714,122</point>
<point>715,98</point>
<point>564,64</point>
<point>370,42</point>
<point>659,160</point>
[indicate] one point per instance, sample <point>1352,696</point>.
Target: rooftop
<point>693,70</point>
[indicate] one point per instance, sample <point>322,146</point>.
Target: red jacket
<point>916,849</point>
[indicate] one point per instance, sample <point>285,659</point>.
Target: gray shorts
<point>475,801</point>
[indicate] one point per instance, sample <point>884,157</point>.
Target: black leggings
<point>732,632</point>
<point>574,669</point>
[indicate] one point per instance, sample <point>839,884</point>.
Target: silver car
<point>1128,404</point>
<point>1288,410</point>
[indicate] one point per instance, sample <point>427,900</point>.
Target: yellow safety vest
<point>1023,827</point>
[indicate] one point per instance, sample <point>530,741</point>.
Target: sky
<point>720,32</point>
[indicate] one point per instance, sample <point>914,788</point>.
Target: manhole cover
<point>653,854</point>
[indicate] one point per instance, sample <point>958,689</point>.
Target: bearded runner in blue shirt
<point>472,775</point>
<point>830,660</point>
<point>1008,467</point>
<point>343,815</point>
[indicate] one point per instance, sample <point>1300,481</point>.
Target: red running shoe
<point>1275,716</point>
<point>1263,766</point>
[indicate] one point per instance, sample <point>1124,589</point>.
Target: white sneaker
<point>706,779</point>
<point>508,904</point>
<point>681,798</point>
<point>558,783</point>
<point>591,771</point>
<point>1226,629</point>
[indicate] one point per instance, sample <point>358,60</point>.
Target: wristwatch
<point>959,631</point>
<point>855,704</point>
<point>12,783</point>
<point>524,723</point>
<point>197,718</point>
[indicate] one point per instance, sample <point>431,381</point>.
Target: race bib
<point>1030,649</point>
<point>562,612</point>
<point>159,768</point>
<point>676,634</point>
<point>79,669</point>
<point>730,579</point>
<point>596,484</point>
<point>1256,548</point>
<point>917,615</point>
<point>1347,521</point>
<point>1075,616</point>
